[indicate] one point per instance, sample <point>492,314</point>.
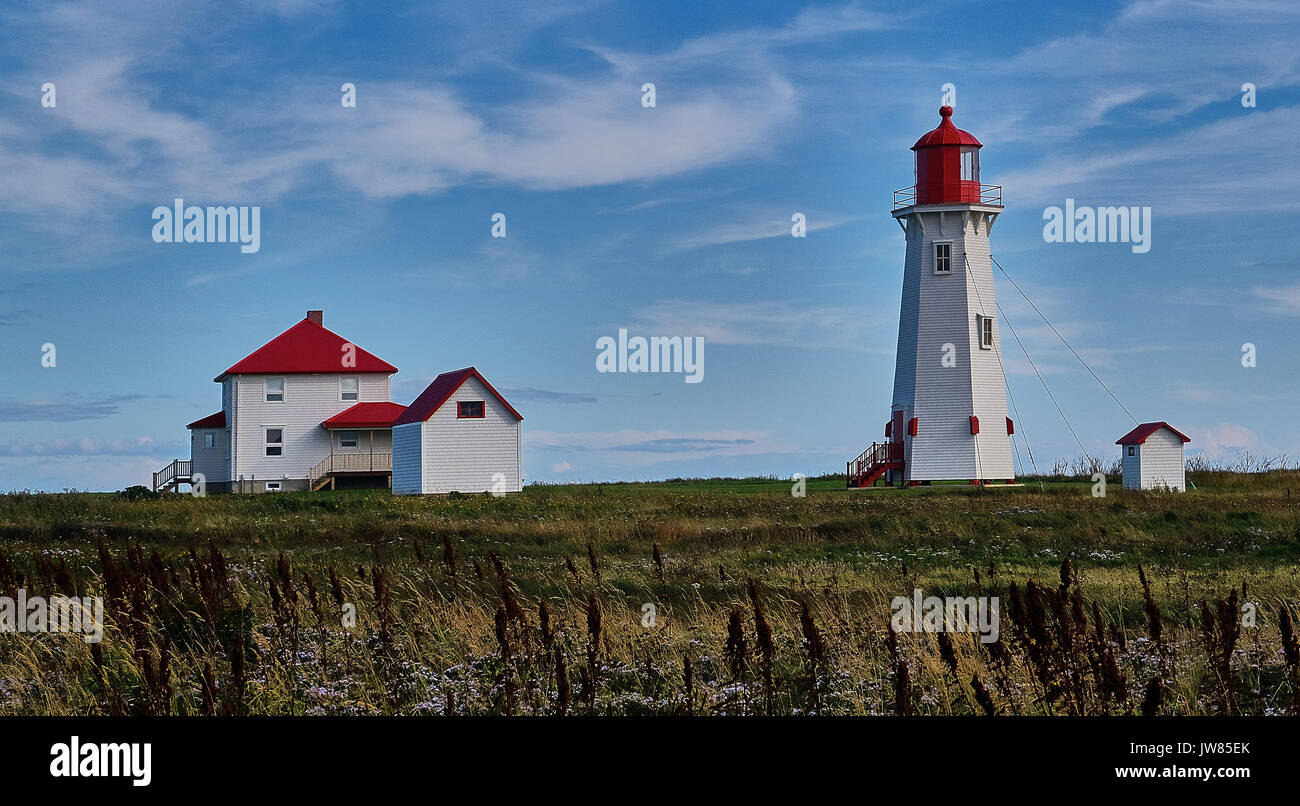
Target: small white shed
<point>460,435</point>
<point>1152,457</point>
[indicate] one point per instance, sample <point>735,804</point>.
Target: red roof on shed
<point>366,415</point>
<point>1139,435</point>
<point>305,348</point>
<point>217,420</point>
<point>947,134</point>
<point>442,387</point>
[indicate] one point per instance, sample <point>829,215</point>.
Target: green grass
<point>846,552</point>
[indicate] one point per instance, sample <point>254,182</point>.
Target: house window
<point>943,258</point>
<point>469,408</point>
<point>273,487</point>
<point>348,388</point>
<point>209,440</point>
<point>985,325</point>
<point>275,442</point>
<point>347,439</point>
<point>1132,451</point>
<point>275,390</point>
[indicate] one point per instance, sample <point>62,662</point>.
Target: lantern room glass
<point>970,164</point>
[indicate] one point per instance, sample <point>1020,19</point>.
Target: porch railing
<point>178,470</point>
<point>351,463</point>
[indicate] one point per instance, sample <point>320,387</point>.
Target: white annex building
<point>460,435</point>
<point>310,409</point>
<point>948,418</point>
<point>1152,456</point>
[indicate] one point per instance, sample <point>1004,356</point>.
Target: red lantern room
<point>947,165</point>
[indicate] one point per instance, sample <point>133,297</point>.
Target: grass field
<point>537,603</point>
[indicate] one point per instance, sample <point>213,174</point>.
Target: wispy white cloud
<point>70,408</point>
<point>767,323</point>
<point>85,446</point>
<point>1221,439</point>
<point>757,228</point>
<point>643,448</point>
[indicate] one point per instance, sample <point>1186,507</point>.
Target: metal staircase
<point>873,463</point>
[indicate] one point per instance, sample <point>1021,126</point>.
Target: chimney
<point>317,317</point>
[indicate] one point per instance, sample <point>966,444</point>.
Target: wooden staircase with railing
<point>873,463</point>
<point>173,475</point>
<point>348,464</point>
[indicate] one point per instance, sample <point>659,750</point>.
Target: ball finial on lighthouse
<point>945,111</point>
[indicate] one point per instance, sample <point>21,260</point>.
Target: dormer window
<point>469,409</point>
<point>943,258</point>
<point>348,388</point>
<point>275,390</point>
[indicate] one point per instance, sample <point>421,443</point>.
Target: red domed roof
<point>947,134</point>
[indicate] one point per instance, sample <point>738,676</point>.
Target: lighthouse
<point>948,417</point>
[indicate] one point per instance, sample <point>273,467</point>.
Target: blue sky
<point>672,220</point>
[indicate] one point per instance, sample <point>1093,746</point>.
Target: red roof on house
<point>1139,435</point>
<point>366,415</point>
<point>307,347</point>
<point>217,420</point>
<point>443,387</point>
<point>946,134</point>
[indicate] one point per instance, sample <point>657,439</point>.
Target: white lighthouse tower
<point>948,419</point>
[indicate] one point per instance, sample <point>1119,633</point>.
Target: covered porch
<point>361,449</point>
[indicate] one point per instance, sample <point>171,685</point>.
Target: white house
<point>305,410</point>
<point>310,410</point>
<point>460,435</point>
<point>1152,457</point>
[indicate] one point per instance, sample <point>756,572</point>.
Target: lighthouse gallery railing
<point>989,194</point>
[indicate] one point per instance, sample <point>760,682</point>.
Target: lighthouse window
<point>943,258</point>
<point>985,324</point>
<point>969,165</point>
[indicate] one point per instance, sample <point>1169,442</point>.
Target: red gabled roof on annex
<point>217,420</point>
<point>366,415</point>
<point>443,387</point>
<point>307,348</point>
<point>1139,435</point>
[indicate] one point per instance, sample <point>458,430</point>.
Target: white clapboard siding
<point>308,401</point>
<point>464,455</point>
<point>938,310</point>
<point>383,442</point>
<point>1162,461</point>
<point>214,462</point>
